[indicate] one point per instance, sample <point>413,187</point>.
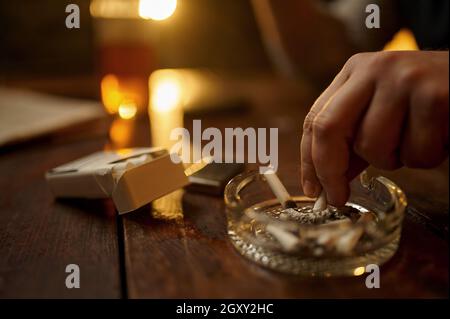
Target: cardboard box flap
<point>142,184</point>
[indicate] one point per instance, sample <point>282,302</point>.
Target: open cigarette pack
<point>131,177</point>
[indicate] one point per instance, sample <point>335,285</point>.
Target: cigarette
<point>120,168</point>
<point>366,218</point>
<point>264,219</point>
<point>321,203</point>
<point>348,241</point>
<point>287,240</point>
<point>279,190</point>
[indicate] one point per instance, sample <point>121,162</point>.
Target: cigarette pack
<point>131,177</point>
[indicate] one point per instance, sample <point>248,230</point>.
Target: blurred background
<point>119,38</point>
<point>142,58</point>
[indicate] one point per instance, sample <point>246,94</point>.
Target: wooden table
<point>138,256</point>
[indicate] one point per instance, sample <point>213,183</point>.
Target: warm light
<point>169,207</point>
<point>166,113</point>
<point>124,151</point>
<point>358,271</point>
<point>403,40</point>
<point>195,167</point>
<point>111,96</point>
<point>157,9</point>
<point>120,134</point>
<point>127,110</point>
<point>166,106</point>
<point>124,96</point>
<point>116,9</point>
<point>130,9</point>
<point>165,93</point>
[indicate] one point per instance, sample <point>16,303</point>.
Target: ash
<point>306,215</point>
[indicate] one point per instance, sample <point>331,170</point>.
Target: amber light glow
<point>120,134</point>
<point>113,8</point>
<point>166,113</point>
<point>120,99</point>
<point>166,91</point>
<point>358,271</point>
<point>157,9</point>
<point>165,106</point>
<point>127,110</point>
<point>111,96</point>
<point>131,9</point>
<point>403,40</point>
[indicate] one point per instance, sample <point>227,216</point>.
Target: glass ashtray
<point>332,242</point>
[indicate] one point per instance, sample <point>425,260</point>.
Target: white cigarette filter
<point>321,203</point>
<point>347,242</point>
<point>277,187</point>
<point>288,241</point>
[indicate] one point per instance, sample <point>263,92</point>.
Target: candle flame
<point>166,92</point>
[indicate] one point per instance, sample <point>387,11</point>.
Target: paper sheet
<point>26,114</point>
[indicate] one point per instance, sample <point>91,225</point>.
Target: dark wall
<point>213,33</point>
<point>35,40</point>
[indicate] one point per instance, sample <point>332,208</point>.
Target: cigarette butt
<point>321,203</point>
<point>264,219</point>
<point>327,238</point>
<point>346,222</point>
<point>348,241</point>
<point>328,230</point>
<point>279,190</point>
<point>287,240</point>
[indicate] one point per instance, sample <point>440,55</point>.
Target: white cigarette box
<point>131,177</point>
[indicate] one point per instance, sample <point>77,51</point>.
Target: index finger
<point>333,131</point>
<point>310,184</point>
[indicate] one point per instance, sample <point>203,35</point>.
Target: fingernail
<point>309,189</point>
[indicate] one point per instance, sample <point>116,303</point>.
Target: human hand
<point>387,109</point>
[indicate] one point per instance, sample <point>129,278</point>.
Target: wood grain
<point>139,256</point>
<point>194,258</point>
<point>40,236</point>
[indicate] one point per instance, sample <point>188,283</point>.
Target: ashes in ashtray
<point>313,232</point>
<point>330,230</point>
